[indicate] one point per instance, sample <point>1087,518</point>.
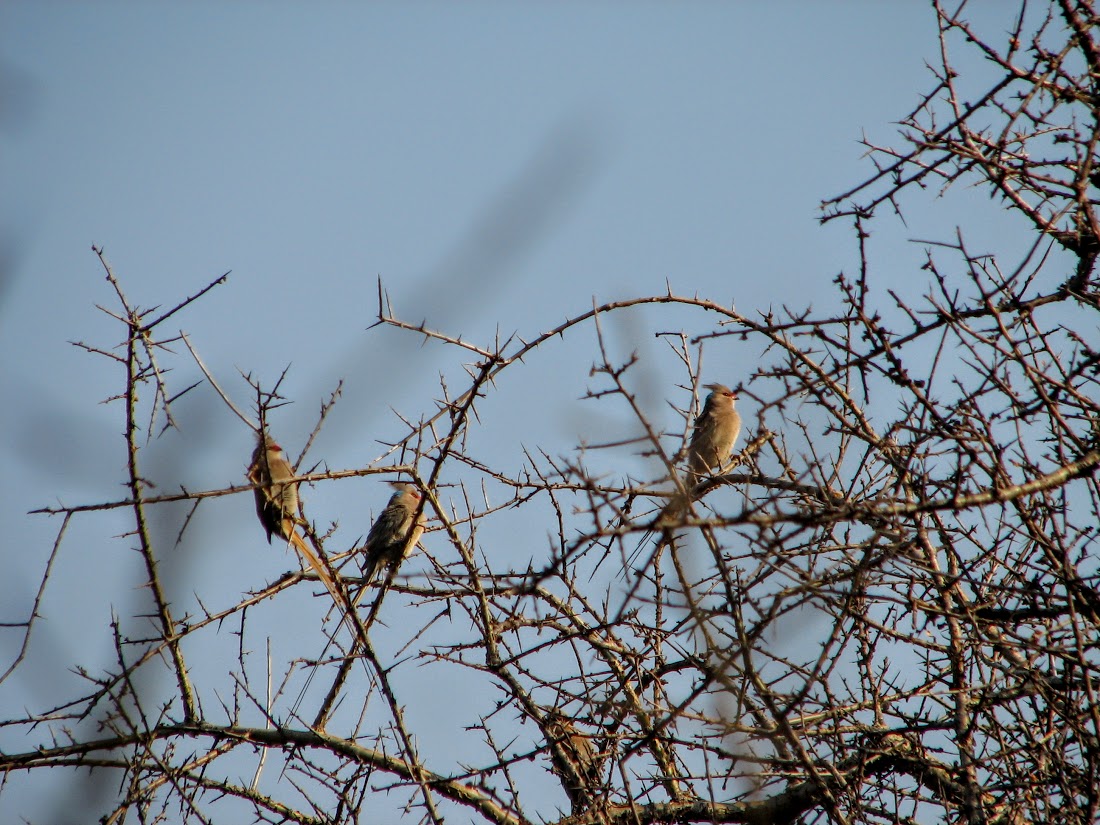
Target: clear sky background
<point>497,165</point>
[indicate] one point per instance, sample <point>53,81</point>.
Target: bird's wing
<point>393,521</point>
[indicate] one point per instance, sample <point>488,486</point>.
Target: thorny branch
<point>886,609</point>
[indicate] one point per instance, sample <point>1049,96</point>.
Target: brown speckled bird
<point>716,431</point>
<point>277,503</point>
<point>392,538</point>
<point>573,757</point>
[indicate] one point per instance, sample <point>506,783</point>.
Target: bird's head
<point>721,392</point>
<point>266,442</point>
<point>404,489</point>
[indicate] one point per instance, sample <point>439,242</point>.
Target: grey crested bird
<point>393,537</point>
<point>716,431</point>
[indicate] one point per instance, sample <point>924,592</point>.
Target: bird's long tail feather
<point>307,553</point>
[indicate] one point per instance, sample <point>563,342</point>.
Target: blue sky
<point>497,165</point>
